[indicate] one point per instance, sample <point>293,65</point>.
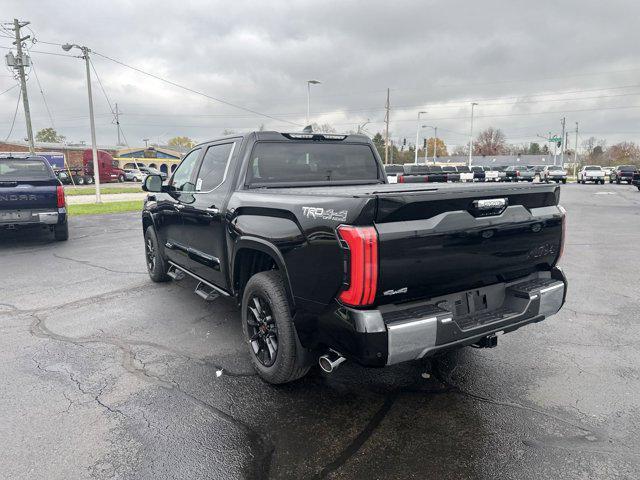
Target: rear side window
<point>311,162</point>
<point>214,167</point>
<point>18,168</point>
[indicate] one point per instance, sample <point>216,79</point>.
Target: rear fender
<point>261,245</point>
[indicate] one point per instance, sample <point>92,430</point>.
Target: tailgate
<point>28,195</point>
<point>446,240</point>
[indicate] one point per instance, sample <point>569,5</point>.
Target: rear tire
<point>267,322</point>
<point>61,232</point>
<point>121,179</point>
<point>157,265</point>
<point>88,180</point>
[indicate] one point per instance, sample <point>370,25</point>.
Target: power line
<point>44,99</point>
<point>9,89</point>
<point>188,89</point>
<point>104,92</point>
<point>15,114</point>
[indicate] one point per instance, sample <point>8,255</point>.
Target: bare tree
<point>490,141</point>
<point>623,152</point>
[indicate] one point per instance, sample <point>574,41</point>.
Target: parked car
<point>607,172</point>
<point>554,173</point>
<point>132,175</point>
<point>466,175</point>
<point>623,173</point>
<point>393,171</point>
<point>591,173</point>
<point>636,180</point>
<point>526,174</point>
<point>452,173</point>
<point>491,174</point>
<point>511,174</point>
<point>32,196</point>
<point>329,262</point>
<point>152,171</point>
<point>478,173</point>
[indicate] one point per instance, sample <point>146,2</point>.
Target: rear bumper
<point>37,217</point>
<point>393,334</point>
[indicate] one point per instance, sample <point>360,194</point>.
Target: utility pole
<point>575,154</point>
<point>96,170</point>
<point>17,25</point>
<point>415,159</point>
<point>386,131</point>
<point>473,104</point>
<point>117,115</point>
<point>562,145</point>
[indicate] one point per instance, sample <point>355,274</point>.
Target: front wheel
<point>268,329</point>
<point>121,178</point>
<point>156,263</point>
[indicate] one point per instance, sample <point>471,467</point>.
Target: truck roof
<point>292,136</point>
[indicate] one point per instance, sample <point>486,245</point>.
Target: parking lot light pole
<point>96,171</point>
<point>309,83</point>
<point>473,104</point>
<point>415,159</point>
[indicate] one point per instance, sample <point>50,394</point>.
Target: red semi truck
<point>107,166</point>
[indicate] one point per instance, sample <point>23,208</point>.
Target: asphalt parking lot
<point>108,375</point>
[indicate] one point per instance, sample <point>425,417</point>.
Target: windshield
<point>311,162</point>
<point>22,168</point>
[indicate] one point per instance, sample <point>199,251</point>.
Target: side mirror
<point>152,183</point>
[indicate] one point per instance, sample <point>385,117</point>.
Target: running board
<point>204,289</point>
<point>175,273</point>
<point>206,292</point>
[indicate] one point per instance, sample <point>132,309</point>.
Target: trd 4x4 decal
<point>325,214</point>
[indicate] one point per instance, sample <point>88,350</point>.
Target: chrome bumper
<point>419,330</point>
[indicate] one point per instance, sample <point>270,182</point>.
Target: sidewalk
<point>109,197</point>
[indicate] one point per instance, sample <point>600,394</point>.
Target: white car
<point>591,173</point>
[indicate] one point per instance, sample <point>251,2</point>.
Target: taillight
<point>60,196</point>
<point>400,178</point>
<point>517,174</point>
<point>362,245</point>
<point>426,178</point>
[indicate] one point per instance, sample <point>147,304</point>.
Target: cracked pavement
<point>108,375</point>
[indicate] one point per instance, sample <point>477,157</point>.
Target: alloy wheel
<point>262,329</point>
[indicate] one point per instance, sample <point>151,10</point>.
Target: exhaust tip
<point>330,361</point>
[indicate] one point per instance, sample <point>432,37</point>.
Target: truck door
<point>168,211</point>
<point>203,219</point>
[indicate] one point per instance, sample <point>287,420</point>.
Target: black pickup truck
<point>31,196</point>
<point>636,179</point>
<point>330,262</point>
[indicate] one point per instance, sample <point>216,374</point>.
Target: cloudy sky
<point>526,63</point>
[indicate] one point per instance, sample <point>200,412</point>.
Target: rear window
<point>627,168</point>
<point>592,168</point>
<point>274,163</point>
<point>20,168</point>
<point>449,169</point>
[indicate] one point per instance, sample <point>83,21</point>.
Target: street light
<point>309,83</point>
<point>473,104</point>
<point>415,160</point>
<point>96,172</point>
<point>435,143</point>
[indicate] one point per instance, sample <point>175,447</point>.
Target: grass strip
<point>104,208</point>
<point>73,191</point>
